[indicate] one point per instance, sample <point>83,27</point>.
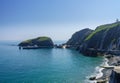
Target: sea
<point>45,65</point>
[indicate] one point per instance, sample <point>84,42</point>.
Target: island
<point>39,42</point>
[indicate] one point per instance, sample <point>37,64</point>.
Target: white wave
<point>98,72</point>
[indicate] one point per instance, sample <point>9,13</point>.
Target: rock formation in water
<point>37,42</point>
<point>104,39</point>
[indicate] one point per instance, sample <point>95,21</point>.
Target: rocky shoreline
<point>108,68</point>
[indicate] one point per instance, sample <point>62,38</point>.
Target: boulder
<point>92,78</point>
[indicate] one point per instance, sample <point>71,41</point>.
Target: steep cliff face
<point>104,38</point>
<point>115,77</point>
<point>78,37</point>
<point>38,42</point>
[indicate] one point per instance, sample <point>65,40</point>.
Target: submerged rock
<point>92,78</point>
<point>101,81</point>
<point>37,43</point>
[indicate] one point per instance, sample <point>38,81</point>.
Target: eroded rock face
<point>115,77</point>
<point>78,38</point>
<point>38,42</point>
<point>103,39</point>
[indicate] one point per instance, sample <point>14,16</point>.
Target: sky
<point>58,19</point>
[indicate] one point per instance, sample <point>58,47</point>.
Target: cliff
<point>78,38</point>
<point>37,42</point>
<point>104,39</point>
<point>115,77</point>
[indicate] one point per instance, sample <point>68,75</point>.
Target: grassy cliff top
<point>43,38</point>
<point>102,27</point>
<point>38,39</point>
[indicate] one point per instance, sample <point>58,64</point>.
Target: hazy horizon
<point>58,19</point>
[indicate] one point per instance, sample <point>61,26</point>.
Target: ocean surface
<point>53,65</point>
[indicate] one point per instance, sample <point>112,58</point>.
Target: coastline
<point>105,69</point>
<point>96,74</point>
<point>104,72</point>
<point>99,72</point>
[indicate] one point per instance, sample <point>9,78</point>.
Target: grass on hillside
<point>38,39</point>
<point>102,27</point>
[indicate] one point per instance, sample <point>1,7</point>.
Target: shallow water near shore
<point>44,65</point>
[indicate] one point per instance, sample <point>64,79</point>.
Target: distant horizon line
<point>26,39</point>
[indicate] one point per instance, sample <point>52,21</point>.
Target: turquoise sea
<point>44,65</point>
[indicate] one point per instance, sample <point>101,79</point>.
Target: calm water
<point>44,65</point>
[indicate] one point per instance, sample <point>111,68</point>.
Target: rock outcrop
<point>37,43</point>
<point>104,39</point>
<point>78,38</point>
<point>115,77</point>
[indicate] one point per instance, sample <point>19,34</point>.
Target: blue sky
<point>58,19</point>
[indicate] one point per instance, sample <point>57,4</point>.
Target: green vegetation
<point>43,38</point>
<point>27,41</point>
<point>38,39</point>
<point>102,27</point>
<point>113,40</point>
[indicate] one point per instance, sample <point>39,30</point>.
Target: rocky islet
<point>39,42</point>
